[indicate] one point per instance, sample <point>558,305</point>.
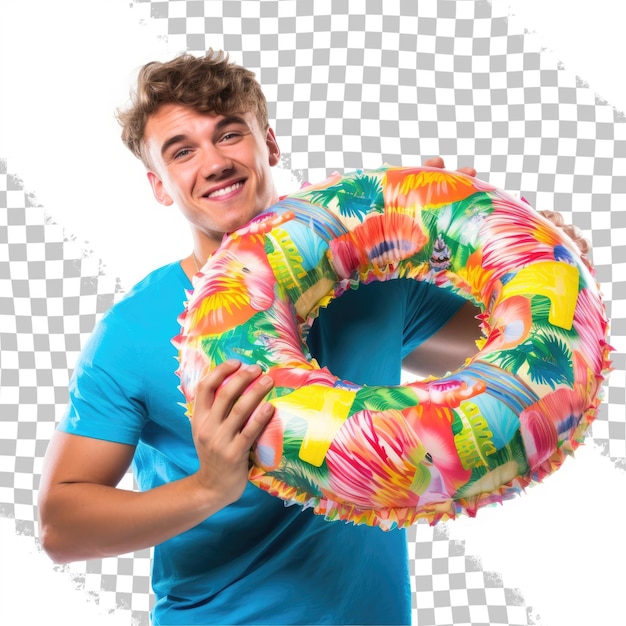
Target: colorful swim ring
<point>388,456</point>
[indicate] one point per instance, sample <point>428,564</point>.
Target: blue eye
<point>232,136</point>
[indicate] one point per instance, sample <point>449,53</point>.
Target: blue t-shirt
<point>256,561</point>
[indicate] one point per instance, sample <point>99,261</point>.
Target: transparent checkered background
<point>350,85</point>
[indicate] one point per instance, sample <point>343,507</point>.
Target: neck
<point>203,245</point>
<point>197,264</point>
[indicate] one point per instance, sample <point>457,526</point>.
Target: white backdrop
<point>57,127</point>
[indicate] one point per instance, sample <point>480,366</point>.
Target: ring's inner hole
<point>358,321</point>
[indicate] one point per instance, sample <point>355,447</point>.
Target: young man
<point>225,552</point>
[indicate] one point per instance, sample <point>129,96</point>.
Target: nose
<point>215,162</point>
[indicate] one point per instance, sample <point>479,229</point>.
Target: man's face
<point>215,168</point>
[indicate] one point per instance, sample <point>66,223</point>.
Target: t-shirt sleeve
<point>428,310</point>
<point>105,390</point>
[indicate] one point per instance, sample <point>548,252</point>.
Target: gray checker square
<point>349,85</point>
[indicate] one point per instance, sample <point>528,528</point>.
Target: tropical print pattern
<point>389,456</point>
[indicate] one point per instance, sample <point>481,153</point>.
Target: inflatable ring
<point>388,456</point>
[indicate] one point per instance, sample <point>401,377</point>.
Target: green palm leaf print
<point>546,356</point>
<point>474,440</point>
<point>285,259</point>
<point>383,399</point>
<point>355,197</point>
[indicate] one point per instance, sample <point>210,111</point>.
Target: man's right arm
<point>84,515</point>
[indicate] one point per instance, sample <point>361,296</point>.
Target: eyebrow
<point>227,121</point>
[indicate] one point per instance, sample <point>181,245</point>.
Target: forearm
<point>83,515</point>
<point>447,349</point>
<point>80,521</point>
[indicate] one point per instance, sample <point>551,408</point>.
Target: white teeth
<point>225,190</point>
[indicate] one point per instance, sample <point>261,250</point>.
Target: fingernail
<point>266,381</point>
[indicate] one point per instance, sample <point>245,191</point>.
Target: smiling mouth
<point>224,190</point>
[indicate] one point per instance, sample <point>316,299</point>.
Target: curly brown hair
<point>208,84</point>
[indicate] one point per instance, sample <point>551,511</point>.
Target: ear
<point>158,189</point>
<point>272,146</point>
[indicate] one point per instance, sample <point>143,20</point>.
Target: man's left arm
<point>448,348</point>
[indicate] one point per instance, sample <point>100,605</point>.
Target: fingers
<point>229,395</point>
<point>576,235</point>
<point>229,415</point>
<point>439,162</point>
<point>435,162</point>
<point>210,383</point>
<point>573,232</point>
<point>554,217</point>
<point>241,398</point>
<point>470,171</point>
